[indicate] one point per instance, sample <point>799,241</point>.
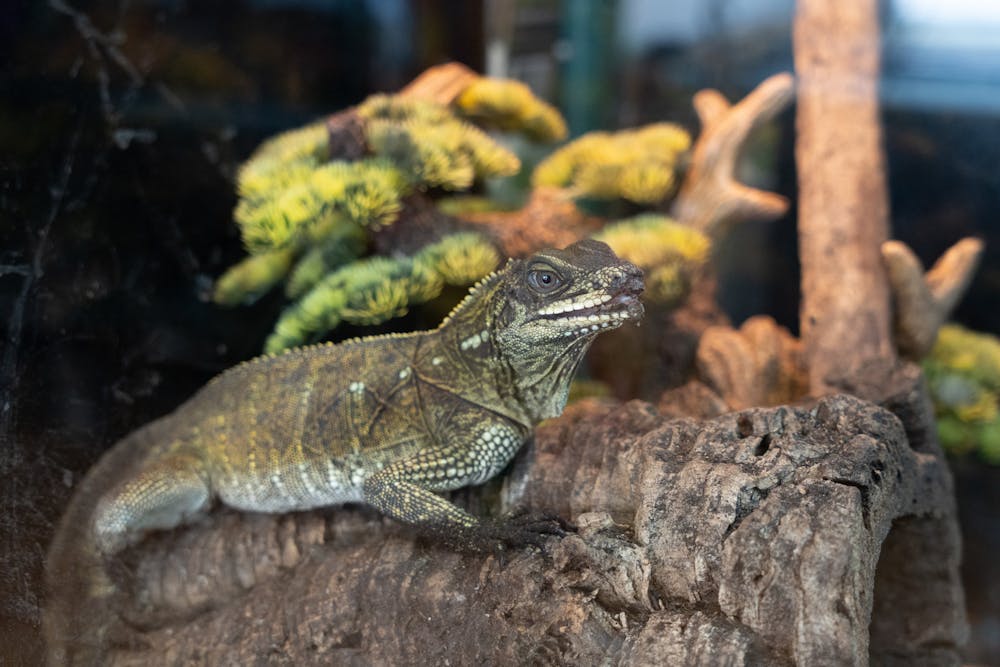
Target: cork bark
<point>845,317</point>
<point>750,538</point>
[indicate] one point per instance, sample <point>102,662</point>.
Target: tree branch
<point>924,302</point>
<point>843,205</point>
<point>710,197</point>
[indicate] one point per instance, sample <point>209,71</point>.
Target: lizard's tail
<point>78,611</point>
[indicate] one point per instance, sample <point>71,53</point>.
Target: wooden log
<point>751,538</point>
<point>845,319</point>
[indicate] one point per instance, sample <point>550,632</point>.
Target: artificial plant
<point>357,214</point>
<point>963,373</point>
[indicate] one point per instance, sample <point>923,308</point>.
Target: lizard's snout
<point>629,280</point>
<point>629,284</point>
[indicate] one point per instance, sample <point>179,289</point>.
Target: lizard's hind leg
<point>165,494</point>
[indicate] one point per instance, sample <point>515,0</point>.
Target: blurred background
<point>122,125</point>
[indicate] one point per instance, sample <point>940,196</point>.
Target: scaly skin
<point>390,421</point>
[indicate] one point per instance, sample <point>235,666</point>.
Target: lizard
<point>390,421</point>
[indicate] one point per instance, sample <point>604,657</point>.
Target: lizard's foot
<point>520,529</point>
<point>503,534</point>
<point>538,523</point>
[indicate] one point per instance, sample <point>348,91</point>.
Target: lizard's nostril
<point>629,278</point>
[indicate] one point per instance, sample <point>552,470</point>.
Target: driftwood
<point>923,302</point>
<point>752,538</point>
<point>760,364</point>
<point>843,204</point>
<point>710,198</point>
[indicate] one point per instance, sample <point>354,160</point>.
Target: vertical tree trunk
<point>843,211</point>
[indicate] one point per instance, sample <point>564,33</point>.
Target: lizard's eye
<point>544,280</point>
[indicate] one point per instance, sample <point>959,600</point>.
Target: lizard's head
<point>556,302</point>
<point>559,296</point>
<point>552,305</point>
<point>537,317</point>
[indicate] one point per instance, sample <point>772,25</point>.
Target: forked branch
<point>924,302</point>
<point>710,196</point>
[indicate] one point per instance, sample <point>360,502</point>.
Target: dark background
<point>122,125</point>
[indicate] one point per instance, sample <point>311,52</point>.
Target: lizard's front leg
<point>407,490</point>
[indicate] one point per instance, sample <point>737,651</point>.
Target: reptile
<point>389,421</point>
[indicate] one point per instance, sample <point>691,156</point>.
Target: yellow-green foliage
<point>338,244</point>
<point>293,198</point>
<point>460,259</point>
<point>380,288</point>
<point>272,186</point>
<point>581,389</point>
<point>368,291</point>
<point>366,193</point>
<point>431,145</point>
<point>288,185</point>
<point>261,177</point>
<point>510,105</point>
<point>247,280</point>
<point>963,372</point>
<point>308,143</point>
<point>373,290</point>
<point>282,160</point>
<point>665,250</point>
<point>638,165</point>
<point>402,109</point>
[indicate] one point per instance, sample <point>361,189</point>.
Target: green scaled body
<point>389,421</point>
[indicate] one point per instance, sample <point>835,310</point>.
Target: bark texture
<point>750,538</point>
<point>843,206</point>
<point>759,364</point>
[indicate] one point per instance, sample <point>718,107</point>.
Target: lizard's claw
<point>501,535</point>
<point>524,515</point>
<point>525,528</point>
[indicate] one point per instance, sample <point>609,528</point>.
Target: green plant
<point>963,372</point>
<point>347,226</point>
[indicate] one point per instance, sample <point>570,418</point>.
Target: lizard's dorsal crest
<point>476,292</point>
<point>482,287</point>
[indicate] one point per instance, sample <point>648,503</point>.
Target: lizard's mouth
<point>599,310</point>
